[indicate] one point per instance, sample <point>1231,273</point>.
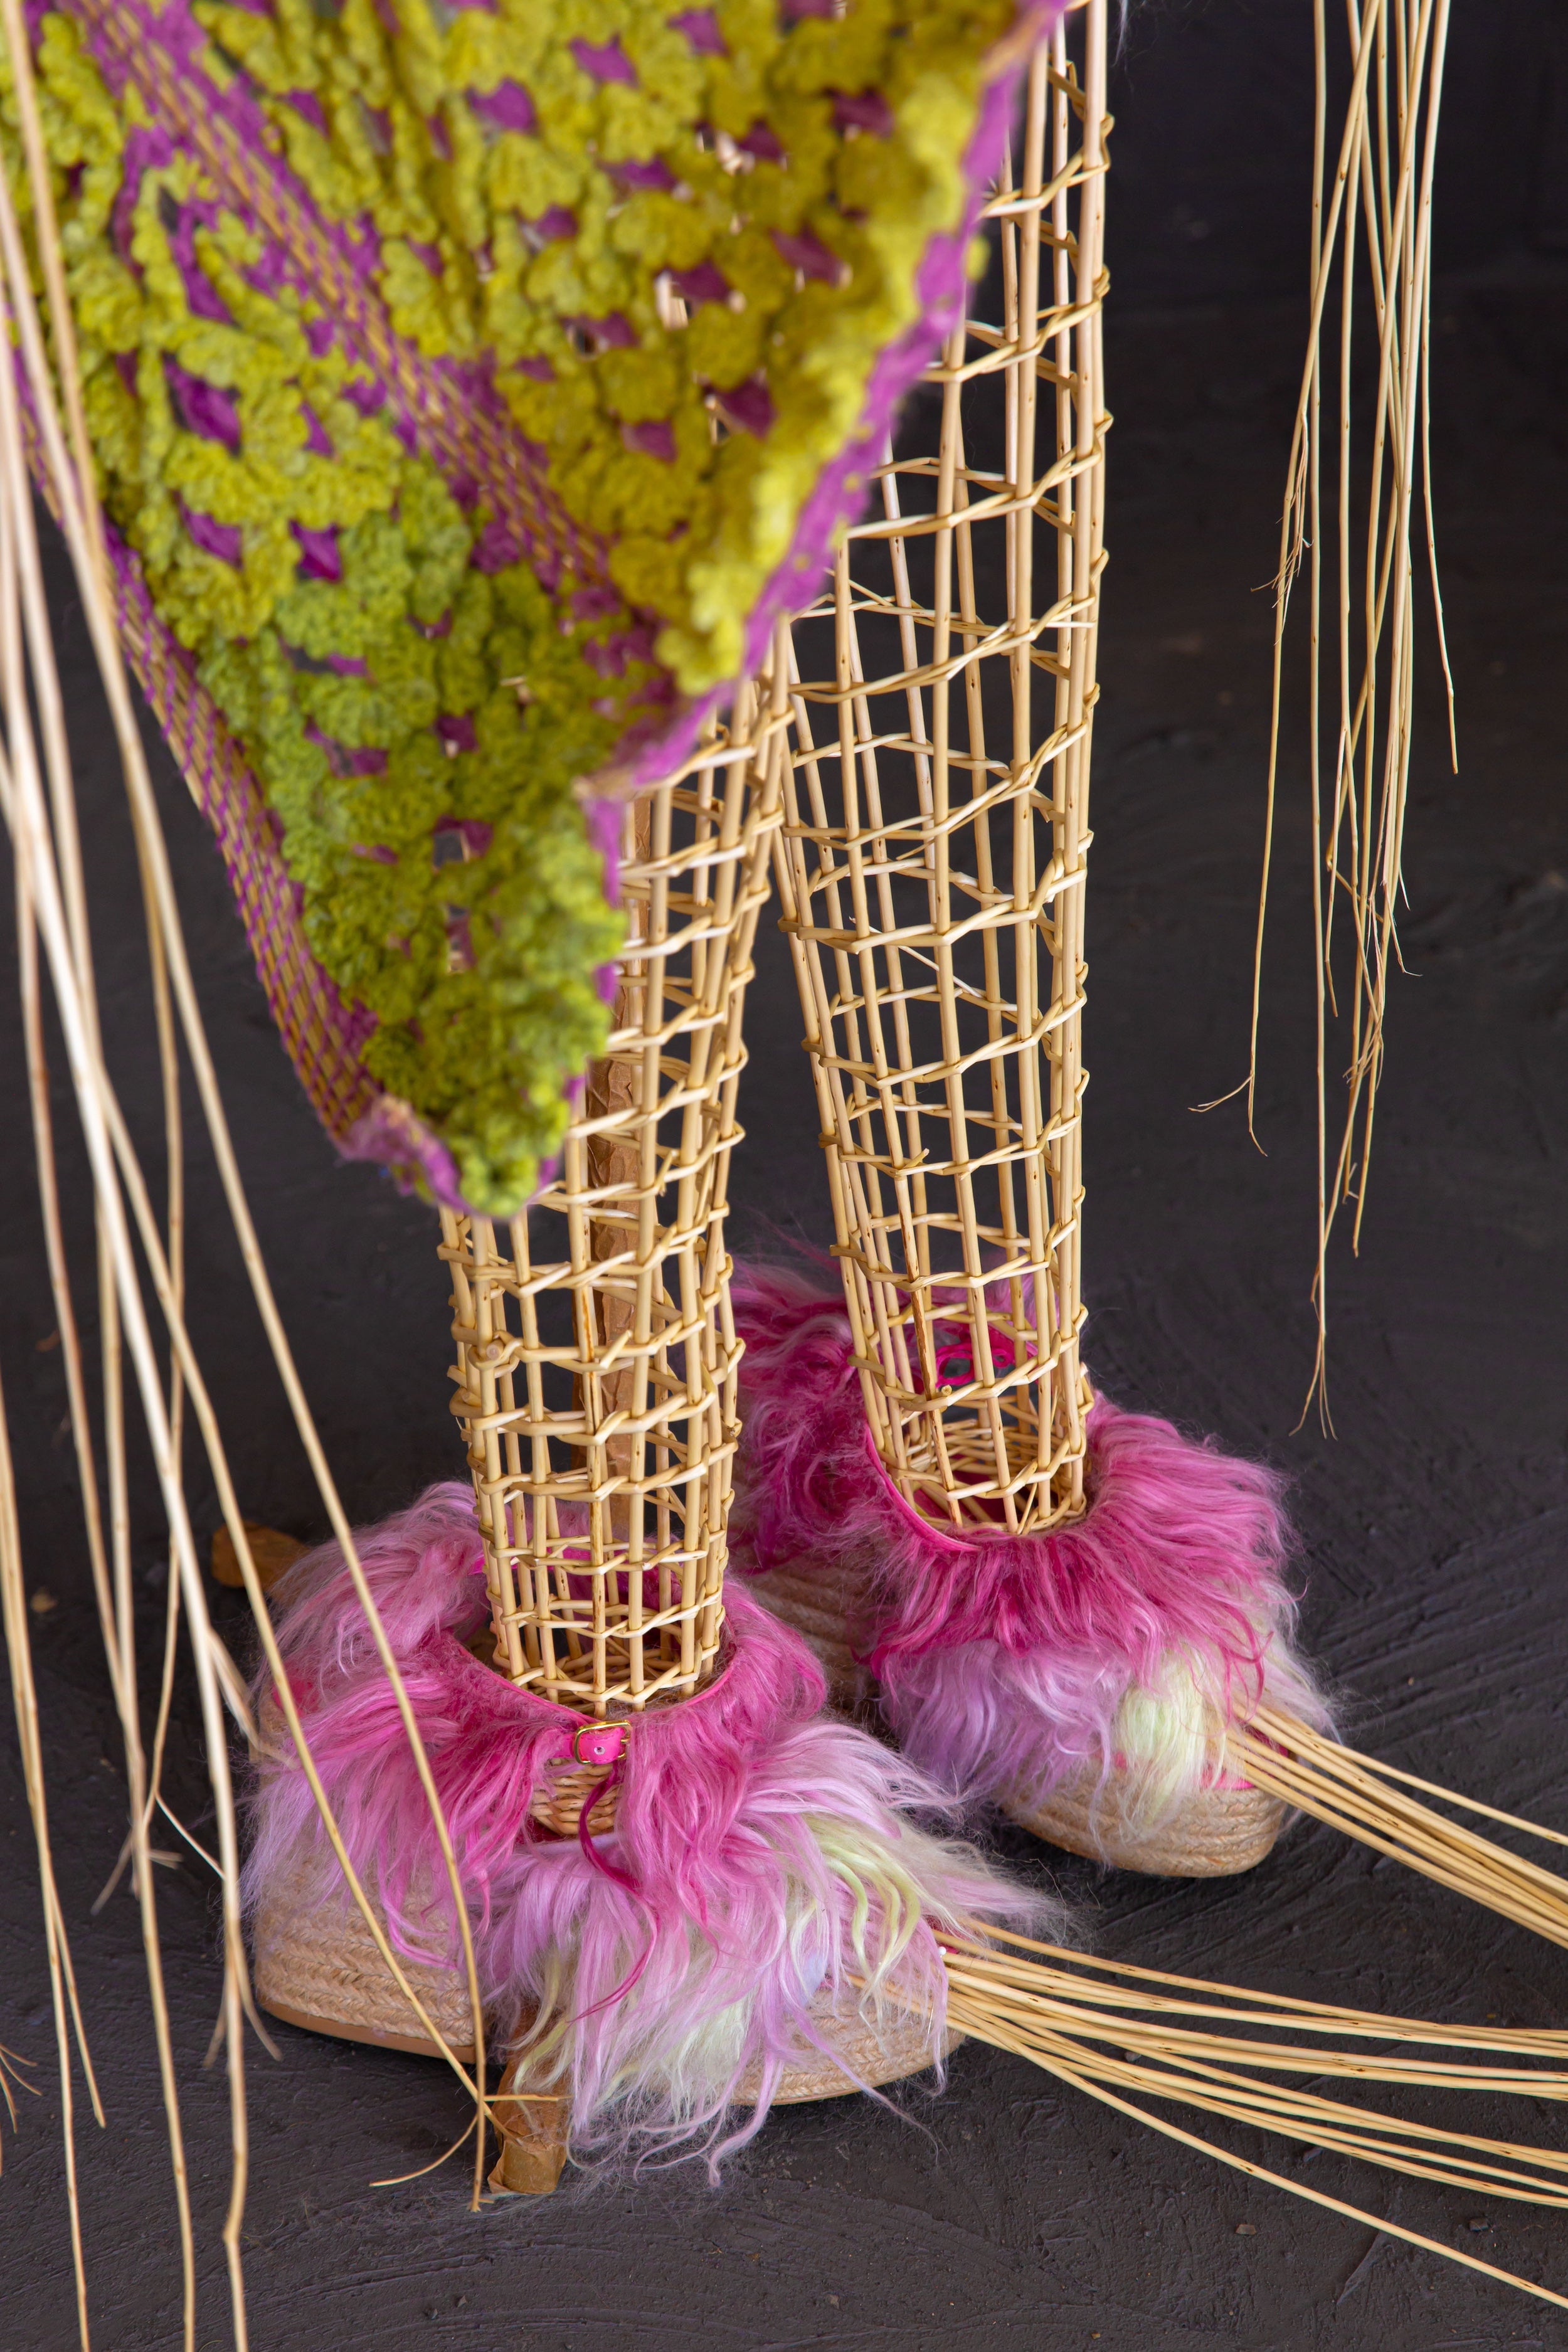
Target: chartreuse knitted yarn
<point>463,382</point>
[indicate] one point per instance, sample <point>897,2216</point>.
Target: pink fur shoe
<point>745,1914</point>
<point>1083,1679</point>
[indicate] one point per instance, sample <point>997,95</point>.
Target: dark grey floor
<point>1020,2219</point>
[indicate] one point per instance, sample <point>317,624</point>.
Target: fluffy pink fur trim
<point>762,1850</point>
<point>1004,1658</point>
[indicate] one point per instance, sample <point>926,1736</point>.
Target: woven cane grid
<point>602,1453</point>
<point>931,862</point>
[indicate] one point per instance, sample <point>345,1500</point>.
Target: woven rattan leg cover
<point>1084,1679</point>
<point>676,1866</point>
<point>1211,1830</point>
<point>1065,1605</point>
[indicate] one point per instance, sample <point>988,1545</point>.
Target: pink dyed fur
<point>713,1894</point>
<point>1004,1659</point>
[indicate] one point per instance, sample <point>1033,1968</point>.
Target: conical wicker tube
<point>932,860</point>
<point>595,1353</point>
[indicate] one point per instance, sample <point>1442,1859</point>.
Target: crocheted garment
<point>473,388</point>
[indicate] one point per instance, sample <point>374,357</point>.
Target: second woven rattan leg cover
<point>1067,1605</point>
<point>1084,1676</point>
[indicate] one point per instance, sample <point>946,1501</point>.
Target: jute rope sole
<point>1212,1833</point>
<point>322,1972</point>
<point>820,1605</point>
<point>858,2055</point>
<point>317,1964</point>
<point>317,1967</point>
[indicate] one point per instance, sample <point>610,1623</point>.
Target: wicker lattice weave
<point>931,865</point>
<point>596,1357</point>
<point>932,860</point>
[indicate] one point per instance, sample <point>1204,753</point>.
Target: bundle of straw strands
<point>1347,540</point>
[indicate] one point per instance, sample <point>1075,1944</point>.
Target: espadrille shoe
<point>723,1904</point>
<point>1086,1679</point>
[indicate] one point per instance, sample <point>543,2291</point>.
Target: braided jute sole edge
<point>318,1967</point>
<point>1210,1832</point>
<point>316,1964</point>
<point>1214,1832</point>
<point>533,2126</point>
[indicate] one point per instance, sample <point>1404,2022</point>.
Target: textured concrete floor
<point>1015,2216</point>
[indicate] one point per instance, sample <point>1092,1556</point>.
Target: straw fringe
<point>1364,1798</point>
<point>1042,2003</point>
<point>1381,192</point>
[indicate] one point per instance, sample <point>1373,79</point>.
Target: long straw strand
<point>1380,205</point>
<point>1098,2089</point>
<point>1034,2001</point>
<point>25,1703</point>
<point>101,626</point>
<point>142,1788</point>
<point>1352,1792</point>
<point>25,1708</point>
<point>26,814</point>
<point>30,829</point>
